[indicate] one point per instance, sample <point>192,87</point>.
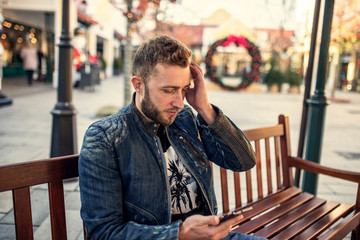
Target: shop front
<point>13,37</point>
<point>349,79</point>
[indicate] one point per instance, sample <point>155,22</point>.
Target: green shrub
<point>107,110</point>
<point>293,78</point>
<point>274,76</point>
<point>117,63</point>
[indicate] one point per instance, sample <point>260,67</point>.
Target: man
<point>145,171</point>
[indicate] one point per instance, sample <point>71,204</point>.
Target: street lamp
<point>318,102</point>
<point>3,99</point>
<point>128,53</point>
<point>63,138</point>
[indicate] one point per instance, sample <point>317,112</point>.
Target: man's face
<point>164,93</point>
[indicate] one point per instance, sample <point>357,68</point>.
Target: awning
<point>86,20</point>
<point>119,35</point>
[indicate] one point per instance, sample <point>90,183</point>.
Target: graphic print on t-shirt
<point>183,186</point>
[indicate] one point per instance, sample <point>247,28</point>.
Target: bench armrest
<point>317,168</point>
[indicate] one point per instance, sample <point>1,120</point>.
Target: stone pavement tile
<point>69,185</point>
<point>6,203</point>
<point>74,227</point>
<point>39,208</point>
<point>7,232</point>
<point>72,201</point>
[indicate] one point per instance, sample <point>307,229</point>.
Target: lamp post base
<point>63,137</point>
<point>4,100</point>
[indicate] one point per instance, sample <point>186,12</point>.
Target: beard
<point>150,110</point>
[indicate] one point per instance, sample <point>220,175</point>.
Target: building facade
<point>39,22</point>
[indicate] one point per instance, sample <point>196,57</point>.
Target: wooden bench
<point>20,177</point>
<point>280,210</point>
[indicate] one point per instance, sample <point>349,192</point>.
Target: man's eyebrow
<point>176,87</point>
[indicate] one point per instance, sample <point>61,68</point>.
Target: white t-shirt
<point>183,187</point>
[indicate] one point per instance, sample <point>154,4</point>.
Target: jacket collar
<point>149,127</point>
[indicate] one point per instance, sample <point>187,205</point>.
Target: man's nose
<point>178,100</point>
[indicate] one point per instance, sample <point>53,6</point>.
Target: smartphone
<point>234,214</point>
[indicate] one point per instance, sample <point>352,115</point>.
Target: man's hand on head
<point>197,95</point>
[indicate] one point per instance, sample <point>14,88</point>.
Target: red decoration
<point>248,77</point>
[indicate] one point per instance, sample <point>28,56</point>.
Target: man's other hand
<point>206,227</point>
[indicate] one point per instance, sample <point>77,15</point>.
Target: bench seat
<point>281,210</point>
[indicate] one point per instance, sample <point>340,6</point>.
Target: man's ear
<point>137,82</point>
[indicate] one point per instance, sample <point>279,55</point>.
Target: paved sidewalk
<point>25,133</point>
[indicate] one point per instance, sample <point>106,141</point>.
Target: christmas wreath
<point>248,77</point>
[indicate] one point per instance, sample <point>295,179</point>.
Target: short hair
<point>160,49</point>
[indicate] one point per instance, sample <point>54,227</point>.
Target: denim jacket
<point>123,179</point>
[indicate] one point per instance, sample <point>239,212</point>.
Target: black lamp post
<point>128,54</point>
<point>63,138</point>
<point>318,102</point>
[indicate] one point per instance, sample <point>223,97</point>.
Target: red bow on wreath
<point>233,39</point>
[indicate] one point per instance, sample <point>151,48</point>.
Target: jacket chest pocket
<point>200,161</point>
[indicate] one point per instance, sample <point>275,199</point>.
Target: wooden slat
<point>344,227</point>
<point>307,221</point>
<point>249,194</point>
<point>275,213</point>
<point>57,210</point>
<point>37,172</point>
<point>277,162</point>
<point>289,218</point>
<point>224,190</point>
<point>317,168</point>
<point>264,132</point>
<point>268,202</point>
<point>22,214</point>
<point>237,189</point>
<point>258,170</point>
<point>285,151</point>
<point>268,165</point>
<point>317,228</point>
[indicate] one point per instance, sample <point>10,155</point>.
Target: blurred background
<point>102,31</point>
<point>256,56</point>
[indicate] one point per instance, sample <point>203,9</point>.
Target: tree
<point>281,40</point>
<point>344,32</point>
<point>133,15</point>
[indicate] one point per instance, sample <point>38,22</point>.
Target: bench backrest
<point>20,177</point>
<point>272,145</point>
